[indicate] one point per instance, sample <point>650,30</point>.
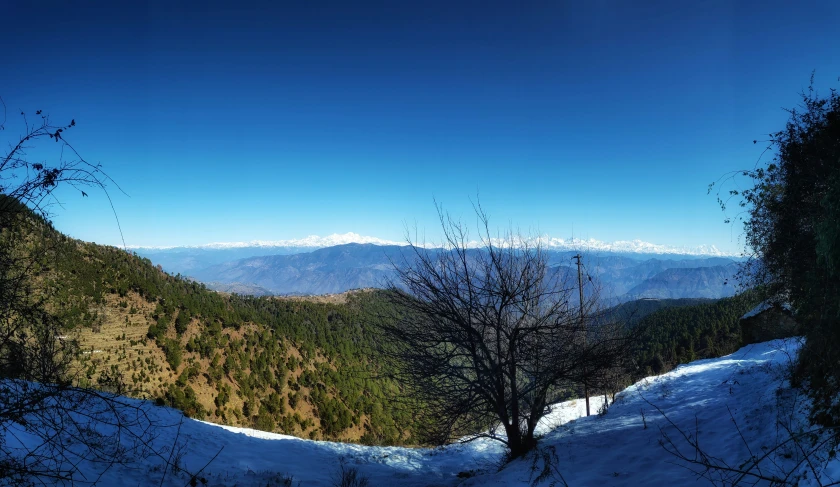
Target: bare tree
<point>34,182</point>
<point>488,336</point>
<point>48,427</point>
<point>36,398</point>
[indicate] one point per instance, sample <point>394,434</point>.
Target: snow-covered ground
<point>736,407</point>
<point>709,401</point>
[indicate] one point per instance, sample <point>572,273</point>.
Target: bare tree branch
<point>489,336</point>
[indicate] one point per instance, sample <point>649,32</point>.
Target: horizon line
<point>636,246</point>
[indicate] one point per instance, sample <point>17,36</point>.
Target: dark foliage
<point>792,229</point>
<point>632,312</point>
<point>678,335</point>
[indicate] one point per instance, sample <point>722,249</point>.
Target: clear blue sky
<point>236,121</point>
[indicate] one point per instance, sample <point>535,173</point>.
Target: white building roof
<point>764,306</point>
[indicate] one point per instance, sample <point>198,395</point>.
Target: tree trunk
<point>519,443</point>
<point>514,440</point>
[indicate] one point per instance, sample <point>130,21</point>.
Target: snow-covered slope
<point>624,447</point>
<point>621,447</point>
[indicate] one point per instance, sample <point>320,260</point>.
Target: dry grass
<point>121,342</point>
<point>340,298</point>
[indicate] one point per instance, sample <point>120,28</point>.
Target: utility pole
<point>578,257</point>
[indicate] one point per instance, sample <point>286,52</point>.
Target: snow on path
<point>613,449</point>
<point>251,456</point>
<point>616,449</point>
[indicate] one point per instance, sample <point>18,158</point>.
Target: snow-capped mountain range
<point>551,243</point>
<point>310,242</point>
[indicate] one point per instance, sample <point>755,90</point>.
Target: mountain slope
<point>329,270</point>
<point>700,282</point>
<point>294,366</point>
<point>675,335</point>
<point>634,311</point>
<point>186,260</point>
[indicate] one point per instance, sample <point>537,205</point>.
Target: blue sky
<point>236,121</point>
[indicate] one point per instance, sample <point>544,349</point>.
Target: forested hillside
<point>287,365</point>
<point>680,334</point>
<point>634,311</point>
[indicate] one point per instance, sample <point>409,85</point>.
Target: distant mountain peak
<point>630,247</point>
<point>312,241</point>
<point>549,243</point>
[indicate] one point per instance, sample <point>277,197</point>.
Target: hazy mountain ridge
<point>551,243</point>
<point>329,270</point>
<point>310,242</point>
<point>351,266</point>
<point>699,282</point>
<point>184,259</point>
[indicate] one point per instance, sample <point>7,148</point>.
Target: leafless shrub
<point>348,476</point>
<point>545,468</point>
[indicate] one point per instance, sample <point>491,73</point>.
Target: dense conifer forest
<point>680,334</point>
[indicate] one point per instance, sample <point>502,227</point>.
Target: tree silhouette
<point>488,336</point>
<point>791,218</point>
<point>47,426</point>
